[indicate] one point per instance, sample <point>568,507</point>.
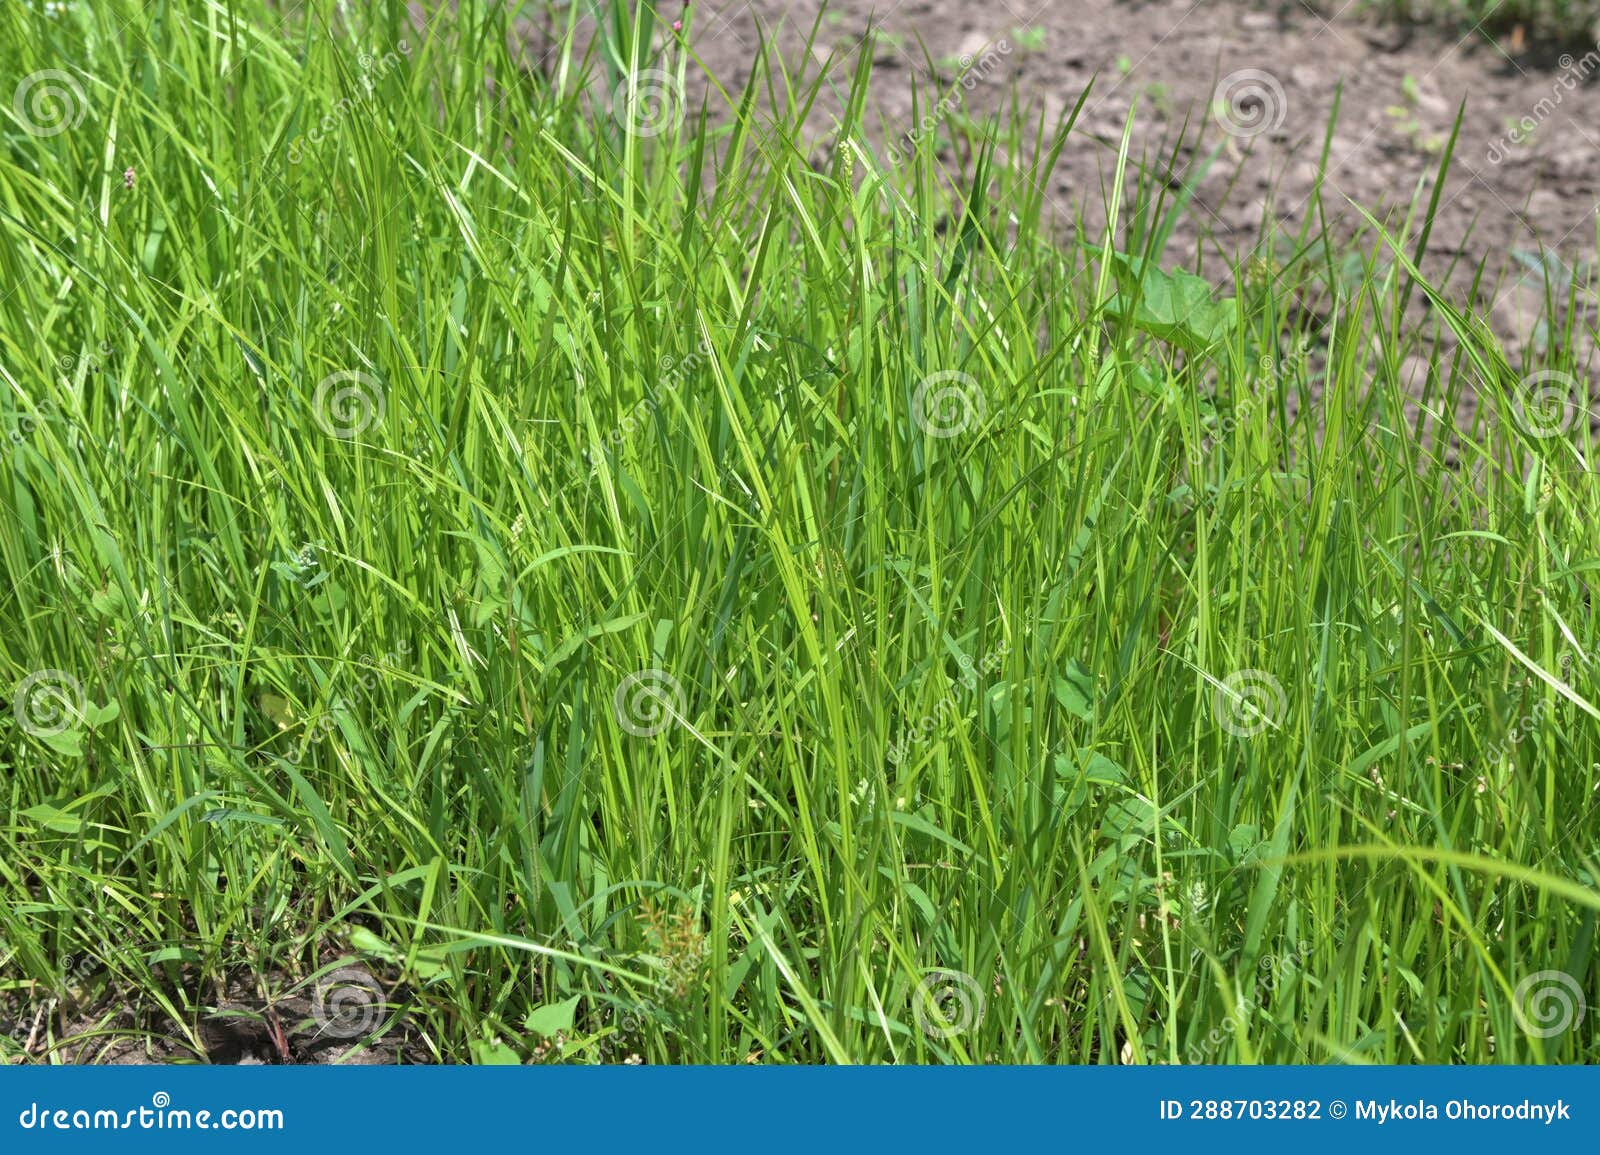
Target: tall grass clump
<point>632,574</point>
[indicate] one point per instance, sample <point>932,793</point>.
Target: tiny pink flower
<point>128,177</point>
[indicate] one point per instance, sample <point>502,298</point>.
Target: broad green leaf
<point>1178,307</point>
<point>68,743</point>
<point>494,1054</point>
<point>54,818</point>
<point>1074,689</point>
<point>552,1017</point>
<point>367,943</point>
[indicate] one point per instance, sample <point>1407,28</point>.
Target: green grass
<point>1111,684</point>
